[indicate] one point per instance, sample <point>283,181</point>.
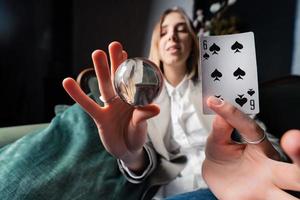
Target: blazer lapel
<point>159,125</point>
<point>196,100</point>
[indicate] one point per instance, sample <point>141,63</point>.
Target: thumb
<point>137,131</point>
<point>141,114</point>
<point>221,130</point>
<point>290,143</point>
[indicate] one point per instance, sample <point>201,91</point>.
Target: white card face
<point>229,71</point>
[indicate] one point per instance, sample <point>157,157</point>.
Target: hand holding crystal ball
<point>138,81</point>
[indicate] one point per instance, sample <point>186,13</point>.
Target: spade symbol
<point>251,92</point>
<point>216,75</point>
<point>241,100</point>
<point>237,47</point>
<point>214,48</point>
<point>239,73</point>
<point>206,56</point>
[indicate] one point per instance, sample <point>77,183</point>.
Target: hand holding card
<point>229,71</point>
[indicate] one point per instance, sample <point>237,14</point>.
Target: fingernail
<point>215,101</point>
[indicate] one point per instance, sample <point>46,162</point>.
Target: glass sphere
<point>138,81</point>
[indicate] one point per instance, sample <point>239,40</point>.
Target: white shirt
<point>190,137</point>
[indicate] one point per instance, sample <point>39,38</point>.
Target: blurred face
<point>175,42</point>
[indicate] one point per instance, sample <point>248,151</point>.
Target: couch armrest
<point>10,134</point>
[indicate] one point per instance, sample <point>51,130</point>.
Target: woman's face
<point>175,42</point>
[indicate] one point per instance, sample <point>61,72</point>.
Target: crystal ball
<point>138,81</point>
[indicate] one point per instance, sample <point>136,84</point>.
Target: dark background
<point>41,42</point>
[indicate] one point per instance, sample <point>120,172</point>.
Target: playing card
<point>229,71</point>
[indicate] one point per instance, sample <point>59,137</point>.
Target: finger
<point>116,55</point>
<point>80,97</point>
<point>286,176</point>
<point>242,122</point>
<point>290,143</point>
<point>221,131</point>
<point>137,131</point>
<point>141,114</point>
<point>278,194</point>
<point>103,74</point>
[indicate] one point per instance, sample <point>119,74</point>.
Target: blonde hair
<point>192,61</point>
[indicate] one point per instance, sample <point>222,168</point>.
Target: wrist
<point>135,161</point>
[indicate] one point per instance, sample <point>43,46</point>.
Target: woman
<point>175,50</point>
<point>165,141</point>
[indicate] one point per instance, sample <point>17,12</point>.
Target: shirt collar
<point>180,88</point>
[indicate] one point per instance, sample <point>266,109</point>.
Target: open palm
<point>122,128</point>
<point>246,171</point>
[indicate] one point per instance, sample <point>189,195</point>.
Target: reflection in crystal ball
<point>138,81</point>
